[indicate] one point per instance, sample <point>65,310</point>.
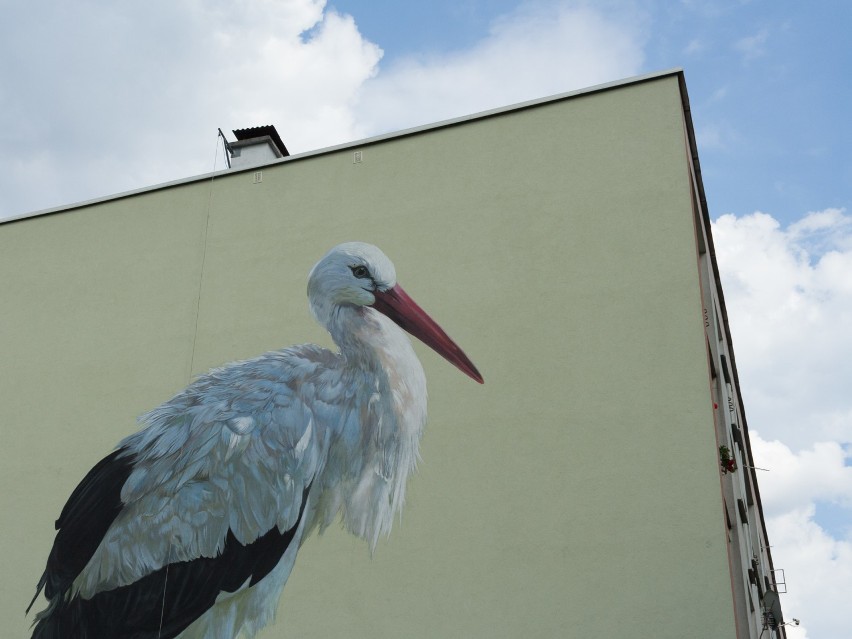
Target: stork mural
<point>191,526</point>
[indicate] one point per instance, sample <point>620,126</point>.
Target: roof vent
<point>254,146</point>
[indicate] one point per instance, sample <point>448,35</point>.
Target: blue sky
<point>416,28</point>
<point>101,97</point>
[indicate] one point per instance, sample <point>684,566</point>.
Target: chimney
<point>254,146</point>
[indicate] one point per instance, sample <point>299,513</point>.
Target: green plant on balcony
<point>726,460</point>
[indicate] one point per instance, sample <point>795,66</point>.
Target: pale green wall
<point>575,494</point>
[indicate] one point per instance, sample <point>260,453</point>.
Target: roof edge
<point>424,128</point>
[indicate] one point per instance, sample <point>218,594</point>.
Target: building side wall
<point>576,492</point>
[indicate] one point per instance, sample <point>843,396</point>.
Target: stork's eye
<point>360,271</point>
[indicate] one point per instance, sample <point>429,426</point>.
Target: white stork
<point>191,526</point>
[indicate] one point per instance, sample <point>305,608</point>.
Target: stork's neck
<point>371,342</point>
<point>392,414</point>
<point>356,333</point>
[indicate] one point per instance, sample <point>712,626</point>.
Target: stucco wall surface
<point>576,493</point>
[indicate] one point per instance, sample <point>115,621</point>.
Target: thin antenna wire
<point>194,340</point>
<point>204,254</point>
<point>165,584</point>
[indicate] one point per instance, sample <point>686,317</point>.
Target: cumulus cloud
<point>818,569</point>
<point>817,565</point>
<point>129,95</point>
<point>798,480</point>
<point>536,51</point>
<point>818,572</point>
<point>789,299</point>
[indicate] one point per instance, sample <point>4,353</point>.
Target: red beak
<point>398,306</point>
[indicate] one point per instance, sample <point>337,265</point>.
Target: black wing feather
<point>83,522</point>
<point>164,603</point>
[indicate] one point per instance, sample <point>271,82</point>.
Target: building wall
<point>576,493</point>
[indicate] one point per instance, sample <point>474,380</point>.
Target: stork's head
<point>356,274</point>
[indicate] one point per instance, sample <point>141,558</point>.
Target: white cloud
<point>796,481</point>
<point>818,570</point>
<point>305,86</point>
<point>789,298</point>
<point>817,566</point>
<point>536,51</point>
<point>753,46</point>
<point>130,95</point>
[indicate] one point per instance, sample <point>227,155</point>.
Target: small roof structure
<point>267,130</point>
